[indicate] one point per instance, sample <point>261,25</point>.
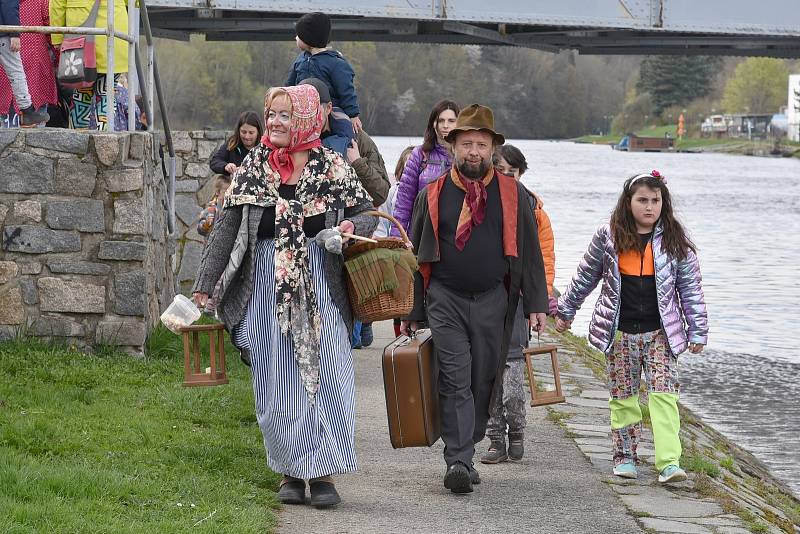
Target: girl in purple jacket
<point>651,309</point>
<point>428,161</point>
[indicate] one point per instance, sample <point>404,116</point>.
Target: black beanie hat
<point>314,29</point>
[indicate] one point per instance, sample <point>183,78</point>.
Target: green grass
<point>727,463</point>
<point>700,464</point>
<point>111,443</point>
<point>659,131</point>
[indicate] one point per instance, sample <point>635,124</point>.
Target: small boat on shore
<point>634,143</point>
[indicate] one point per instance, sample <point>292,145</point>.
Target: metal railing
<point>135,77</point>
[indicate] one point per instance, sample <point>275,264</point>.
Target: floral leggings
<point>631,355</point>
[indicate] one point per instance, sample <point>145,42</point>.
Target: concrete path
<point>555,488</point>
<point>564,484</point>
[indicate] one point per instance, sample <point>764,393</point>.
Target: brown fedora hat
<point>475,117</point>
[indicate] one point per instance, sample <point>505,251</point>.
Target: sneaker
<point>516,447</point>
<point>457,478</point>
<point>496,453</point>
<point>626,470</point>
<point>366,335</point>
<point>672,473</point>
<point>31,117</point>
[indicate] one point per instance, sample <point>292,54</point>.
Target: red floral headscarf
<point>308,119</point>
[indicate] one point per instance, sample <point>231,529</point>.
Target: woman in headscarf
<point>283,295</point>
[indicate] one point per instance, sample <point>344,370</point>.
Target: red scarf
<point>473,211</point>
<point>280,159</point>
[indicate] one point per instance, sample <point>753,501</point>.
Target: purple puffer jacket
<point>678,288</point>
<point>418,172</point>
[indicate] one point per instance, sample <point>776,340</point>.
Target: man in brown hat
<point>478,251</point>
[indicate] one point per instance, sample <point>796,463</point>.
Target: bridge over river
<point>707,27</point>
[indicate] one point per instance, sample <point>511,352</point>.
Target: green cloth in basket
<point>381,270</point>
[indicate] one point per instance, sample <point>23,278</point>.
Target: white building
<point>793,110</point>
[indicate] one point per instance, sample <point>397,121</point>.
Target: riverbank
<point>710,145</point>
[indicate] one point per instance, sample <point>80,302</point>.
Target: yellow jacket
<point>75,13</point>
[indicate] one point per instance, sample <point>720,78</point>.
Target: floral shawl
<point>326,183</point>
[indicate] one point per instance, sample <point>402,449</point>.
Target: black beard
<point>471,171</point>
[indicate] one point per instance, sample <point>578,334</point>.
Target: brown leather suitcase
<point>412,399</point>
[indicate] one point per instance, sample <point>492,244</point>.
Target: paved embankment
<point>564,483</point>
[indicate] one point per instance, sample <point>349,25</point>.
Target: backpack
<point>77,64</point>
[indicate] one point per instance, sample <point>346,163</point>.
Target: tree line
<point>533,94</point>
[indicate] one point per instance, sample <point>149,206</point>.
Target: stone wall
<point>85,253</point>
<point>194,187</point>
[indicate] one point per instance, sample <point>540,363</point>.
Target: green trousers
<point>633,355</point>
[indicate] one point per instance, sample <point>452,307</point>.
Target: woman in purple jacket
<point>428,161</point>
<point>651,309</point>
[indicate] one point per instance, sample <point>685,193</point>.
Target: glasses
<point>280,116</point>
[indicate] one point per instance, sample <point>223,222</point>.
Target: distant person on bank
<point>428,161</point>
<point>230,154</point>
<point>478,251</point>
<point>277,245</point>
<point>651,309</point>
<point>508,409</point>
<point>316,60</point>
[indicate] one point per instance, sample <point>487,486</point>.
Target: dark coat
<point>9,16</point>
<point>223,156</point>
<point>371,169</point>
<point>333,69</point>
<point>520,237</point>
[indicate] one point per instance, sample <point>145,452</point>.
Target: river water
<point>743,213</point>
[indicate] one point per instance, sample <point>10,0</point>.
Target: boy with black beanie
<point>318,61</point>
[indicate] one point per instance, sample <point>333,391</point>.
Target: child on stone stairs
<point>651,309</point>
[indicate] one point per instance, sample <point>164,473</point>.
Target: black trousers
<point>467,332</point>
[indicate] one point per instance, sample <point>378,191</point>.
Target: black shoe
<point>458,479</point>
<point>292,492</point>
<point>474,477</point>
<point>323,494</point>
<point>244,355</point>
<point>31,117</point>
<point>516,447</point>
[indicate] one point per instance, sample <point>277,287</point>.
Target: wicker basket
<point>382,306</point>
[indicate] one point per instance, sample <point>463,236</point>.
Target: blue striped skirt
<point>301,440</point>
